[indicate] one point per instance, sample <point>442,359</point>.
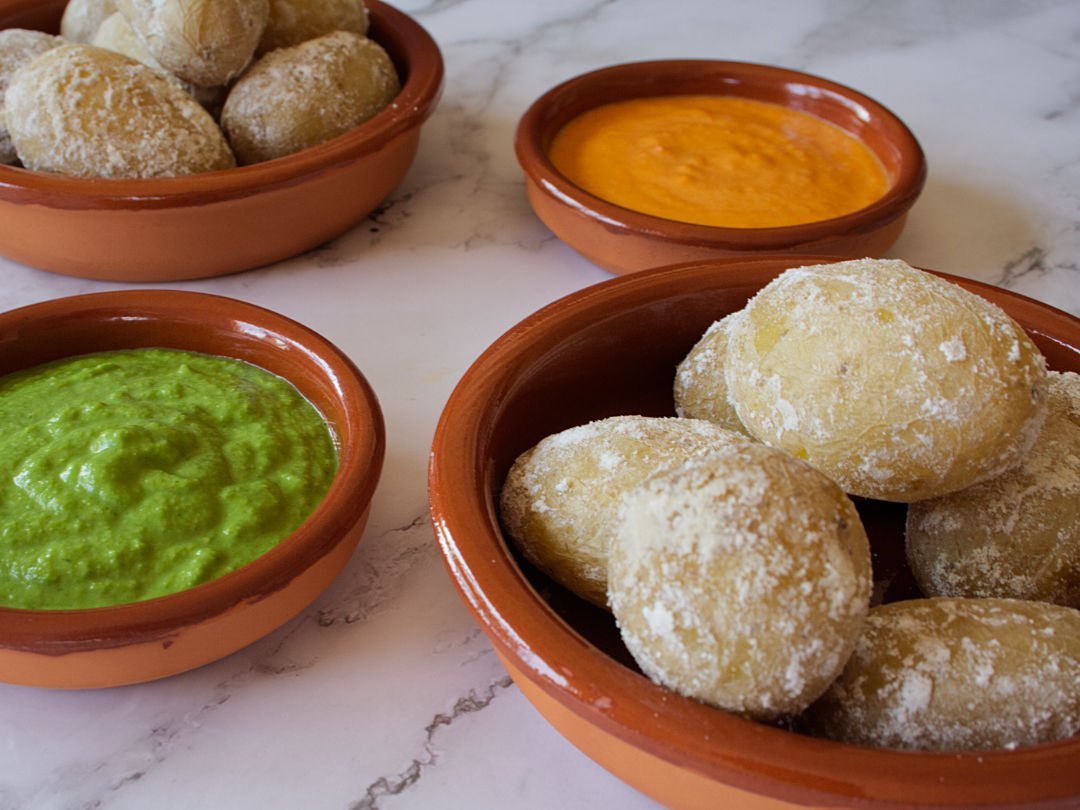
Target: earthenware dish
<point>612,349</point>
<point>158,637</point>
<point>219,222</point>
<point>625,241</point>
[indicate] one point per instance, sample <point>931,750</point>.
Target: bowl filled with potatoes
<point>162,141</point>
<point>712,518</point>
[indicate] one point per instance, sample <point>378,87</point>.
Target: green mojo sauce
<point>134,474</point>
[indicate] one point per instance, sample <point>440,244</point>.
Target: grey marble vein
<point>396,784</point>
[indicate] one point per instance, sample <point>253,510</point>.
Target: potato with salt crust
<point>700,389</point>
<point>204,42</point>
<point>295,21</point>
<point>740,579</point>
<point>88,112</point>
<point>895,383</point>
<point>82,18</point>
<point>295,98</point>
<point>1017,535</point>
<point>957,675</point>
<point>18,46</point>
<point>560,499</point>
<point>116,34</point>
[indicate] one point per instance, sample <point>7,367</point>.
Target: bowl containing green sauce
<point>180,474</point>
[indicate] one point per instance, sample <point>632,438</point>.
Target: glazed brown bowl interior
<point>612,349</point>
<point>864,118</point>
<point>48,331</point>
<point>218,222</point>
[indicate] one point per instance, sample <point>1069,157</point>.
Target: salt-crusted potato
<point>18,46</point>
<point>894,382</point>
<point>82,18</point>
<point>957,675</point>
<point>298,97</point>
<point>740,579</point>
<point>116,34</point>
<point>560,500</point>
<point>1017,535</point>
<point>295,21</point>
<point>204,42</point>
<point>88,112</point>
<point>700,389</point>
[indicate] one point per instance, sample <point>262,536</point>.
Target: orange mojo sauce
<point>718,160</point>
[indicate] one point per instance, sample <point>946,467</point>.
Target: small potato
<point>561,498</point>
<point>18,46</point>
<point>205,42</point>
<point>88,112</point>
<point>82,18</point>
<point>895,383</point>
<point>295,21</point>
<point>957,675</point>
<point>1017,535</point>
<point>740,579</point>
<point>116,34</point>
<point>298,97</point>
<point>700,389</point>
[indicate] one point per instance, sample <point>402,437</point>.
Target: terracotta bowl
<point>624,241</point>
<point>158,637</point>
<point>612,349</point>
<point>219,222</point>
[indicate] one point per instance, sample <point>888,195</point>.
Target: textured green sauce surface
<point>133,474</point>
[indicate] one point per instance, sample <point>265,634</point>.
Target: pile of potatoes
<point>160,88</point>
<point>726,544</point>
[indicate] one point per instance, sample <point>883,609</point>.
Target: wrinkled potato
<point>82,18</point>
<point>205,42</point>
<point>116,34</point>
<point>740,579</point>
<point>895,383</point>
<point>18,46</point>
<point>88,112</point>
<point>298,97</point>
<point>1017,535</point>
<point>957,675</point>
<point>700,389</point>
<point>560,500</point>
<point>295,21</point>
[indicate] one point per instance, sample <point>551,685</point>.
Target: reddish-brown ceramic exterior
<point>158,637</point>
<point>219,222</point>
<point>611,349</point>
<point>625,241</point>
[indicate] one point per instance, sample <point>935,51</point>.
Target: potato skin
<point>116,34</point>
<point>295,98</point>
<point>740,579</point>
<point>18,46</point>
<point>295,21</point>
<point>1016,535</point>
<point>895,383</point>
<point>82,18</point>
<point>957,675</point>
<point>204,42</point>
<point>88,112</point>
<point>560,500</point>
<point>700,389</point>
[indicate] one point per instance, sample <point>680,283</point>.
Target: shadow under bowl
<point>621,240</point>
<point>214,223</point>
<point>612,349</point>
<point>151,639</point>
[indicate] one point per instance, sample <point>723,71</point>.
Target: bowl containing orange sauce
<point>651,163</point>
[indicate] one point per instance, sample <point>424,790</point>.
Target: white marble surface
<point>384,694</point>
